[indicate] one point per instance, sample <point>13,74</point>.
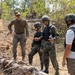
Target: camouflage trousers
<point>35,49</point>
<point>49,52</point>
<point>19,38</point>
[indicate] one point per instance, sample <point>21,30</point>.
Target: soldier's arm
<point>27,31</point>
<point>54,32</point>
<point>32,44</point>
<point>40,38</point>
<point>10,25</point>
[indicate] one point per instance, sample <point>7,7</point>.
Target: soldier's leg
<point>23,43</point>
<point>15,42</point>
<point>71,66</point>
<point>41,59</point>
<point>54,61</point>
<point>46,61</point>
<point>31,54</point>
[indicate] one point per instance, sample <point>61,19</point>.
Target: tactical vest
<point>73,44</point>
<point>37,34</point>
<point>46,32</point>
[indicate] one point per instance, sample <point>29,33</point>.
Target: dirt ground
<point>6,41</point>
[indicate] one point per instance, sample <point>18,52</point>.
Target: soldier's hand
<point>26,37</point>
<point>31,47</point>
<point>9,33</point>
<point>51,40</point>
<point>36,39</point>
<point>63,63</point>
<point>41,50</point>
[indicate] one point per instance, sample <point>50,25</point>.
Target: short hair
<point>16,12</point>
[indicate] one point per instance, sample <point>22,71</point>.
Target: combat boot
<point>14,60</point>
<point>46,71</point>
<point>41,67</point>
<point>57,73</point>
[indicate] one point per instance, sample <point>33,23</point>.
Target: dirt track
<point>7,40</point>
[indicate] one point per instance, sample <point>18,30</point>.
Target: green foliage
<point>39,7</point>
<point>24,6</point>
<point>59,10</point>
<point>26,12</point>
<point>5,10</point>
<point>8,7</point>
<point>62,8</point>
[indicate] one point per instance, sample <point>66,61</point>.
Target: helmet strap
<point>38,28</point>
<point>68,23</point>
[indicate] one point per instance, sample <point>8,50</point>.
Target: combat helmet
<point>70,19</point>
<point>45,18</point>
<point>37,25</point>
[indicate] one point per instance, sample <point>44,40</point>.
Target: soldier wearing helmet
<point>50,34</point>
<point>37,25</point>
<point>45,18</point>
<point>36,44</point>
<point>69,54</point>
<point>70,19</point>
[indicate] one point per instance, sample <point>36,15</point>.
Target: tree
<point>38,6</point>
<point>24,5</point>
<point>0,9</point>
<point>61,8</point>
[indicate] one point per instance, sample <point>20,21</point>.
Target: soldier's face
<point>46,23</point>
<point>68,23</point>
<point>37,29</point>
<point>18,17</point>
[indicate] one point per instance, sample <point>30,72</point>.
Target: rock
<point>10,68</point>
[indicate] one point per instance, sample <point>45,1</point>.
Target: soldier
<point>50,34</point>
<point>36,44</point>
<point>20,27</point>
<point>69,54</point>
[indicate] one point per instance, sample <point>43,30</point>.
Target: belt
<point>45,39</point>
<point>20,33</point>
<point>73,50</point>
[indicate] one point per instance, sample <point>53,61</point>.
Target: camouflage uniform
<point>20,26</point>
<point>36,49</point>
<point>49,51</point>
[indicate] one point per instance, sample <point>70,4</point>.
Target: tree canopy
<point>56,9</point>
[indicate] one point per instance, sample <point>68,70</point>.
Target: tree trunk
<point>1,9</point>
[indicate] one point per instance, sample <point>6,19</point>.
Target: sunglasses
<point>17,15</point>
